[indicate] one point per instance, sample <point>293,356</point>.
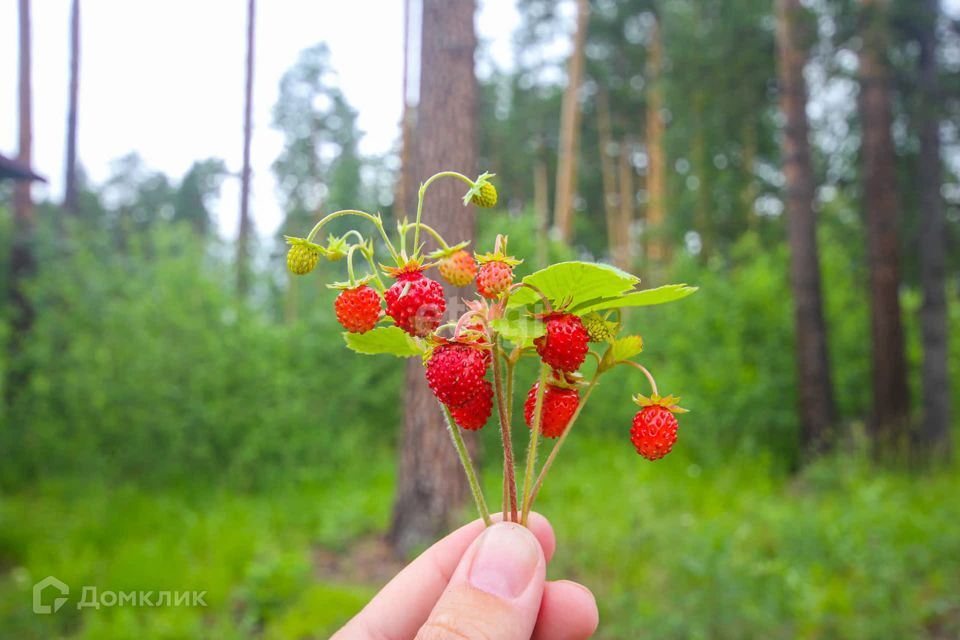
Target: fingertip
<point>568,611</point>
<point>541,528</point>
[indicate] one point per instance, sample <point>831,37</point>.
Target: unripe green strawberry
<point>487,197</point>
<point>559,405</point>
<point>459,269</point>
<point>358,309</point>
<point>302,257</point>
<point>474,414</point>
<point>599,328</point>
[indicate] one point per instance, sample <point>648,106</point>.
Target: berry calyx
<point>414,301</point>
<point>358,309</point>
<point>474,414</point>
<point>654,430</point>
<point>456,370</point>
<point>459,268</point>
<point>303,256</point>
<point>559,405</point>
<point>564,345</point>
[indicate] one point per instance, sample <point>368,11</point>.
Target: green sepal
<point>482,179</point>
<point>669,403</point>
<point>336,248</point>
<point>392,341</point>
<point>357,283</point>
<point>440,254</point>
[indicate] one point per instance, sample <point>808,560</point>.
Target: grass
<point>671,550</point>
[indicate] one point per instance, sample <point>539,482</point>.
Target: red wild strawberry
<point>459,269</point>
<point>414,301</point>
<point>559,404</point>
<point>494,278</point>
<point>475,413</point>
<point>654,428</point>
<point>455,372</point>
<point>358,309</point>
<point>564,345</point>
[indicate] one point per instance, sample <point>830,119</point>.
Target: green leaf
<point>520,330</point>
<point>645,298</point>
<point>390,340</point>
<point>577,281</point>
<point>625,348</point>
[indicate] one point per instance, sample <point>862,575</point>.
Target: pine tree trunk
<point>70,183</point>
<point>431,483</point>
<point>813,369</point>
<point>933,440</point>
<point>623,256</point>
<point>22,262</point>
<point>889,422</point>
<point>656,156</point>
<point>570,130</point>
<point>607,173</point>
<point>541,206</point>
<point>404,181</point>
<point>246,225</point>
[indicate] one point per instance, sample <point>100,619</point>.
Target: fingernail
<point>506,561</point>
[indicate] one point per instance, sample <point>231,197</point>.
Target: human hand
<point>480,584</point>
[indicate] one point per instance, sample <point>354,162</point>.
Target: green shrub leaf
<point>645,298</point>
<point>390,340</point>
<point>520,330</point>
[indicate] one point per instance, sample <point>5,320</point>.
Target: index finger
<point>404,604</point>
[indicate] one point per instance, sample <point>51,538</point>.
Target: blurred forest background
<point>178,413</point>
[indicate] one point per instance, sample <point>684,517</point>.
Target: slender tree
<point>656,154</point>
<point>889,421</point>
<point>608,173</point>
<point>430,483</point>
<point>623,254</point>
<point>934,435</point>
<point>246,224</point>
<point>70,182</point>
<point>22,263</point>
<point>570,129</point>
<point>817,409</point>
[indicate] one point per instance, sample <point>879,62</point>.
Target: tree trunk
<point>889,422</point>
<point>431,483</point>
<point>656,156</point>
<point>246,225</point>
<point>22,263</point>
<point>817,409</point>
<point>623,257</point>
<point>404,181</point>
<point>607,173</point>
<point>933,441</point>
<point>70,183</point>
<point>541,207</point>
<point>570,130</point>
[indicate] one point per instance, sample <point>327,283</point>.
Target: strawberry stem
<point>509,474</point>
<point>562,439</point>
<point>367,251</point>
<point>353,212</point>
<point>546,302</point>
<point>532,448</point>
<point>653,383</point>
<point>467,466</point>
<point>423,192</point>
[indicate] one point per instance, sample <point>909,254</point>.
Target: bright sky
<point>166,79</point>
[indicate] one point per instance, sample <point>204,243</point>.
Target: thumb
<point>495,591</point>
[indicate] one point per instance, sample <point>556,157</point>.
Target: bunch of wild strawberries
<point>457,364</point>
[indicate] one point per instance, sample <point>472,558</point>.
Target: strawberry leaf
<point>576,283</point>
<point>645,298</point>
<point>625,348</point>
<point>520,330</point>
<point>389,340</point>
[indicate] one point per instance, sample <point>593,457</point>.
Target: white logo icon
<point>38,590</point>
